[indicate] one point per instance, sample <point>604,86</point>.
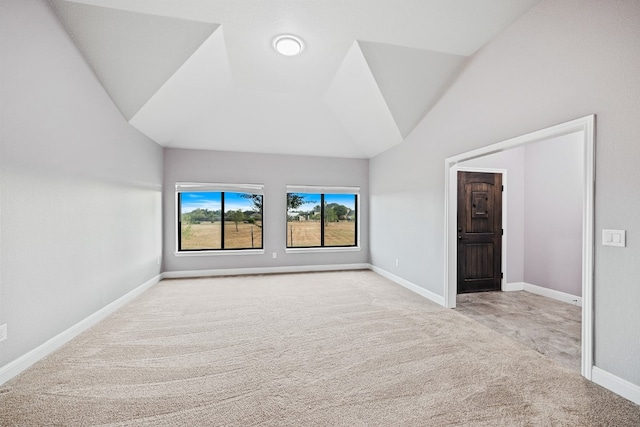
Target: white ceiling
<point>203,74</point>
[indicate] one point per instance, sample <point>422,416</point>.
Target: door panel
<point>479,261</point>
<point>479,231</point>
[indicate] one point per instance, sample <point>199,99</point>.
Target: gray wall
<point>554,176</point>
<point>275,172</point>
<point>80,195</point>
<point>563,60</point>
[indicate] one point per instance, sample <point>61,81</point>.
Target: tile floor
<point>548,326</point>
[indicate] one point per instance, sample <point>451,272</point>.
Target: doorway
<point>479,227</point>
<point>585,126</point>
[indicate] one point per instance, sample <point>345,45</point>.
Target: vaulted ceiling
<point>203,74</point>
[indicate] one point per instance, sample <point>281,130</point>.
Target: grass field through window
<point>208,235</point>
<point>307,233</point>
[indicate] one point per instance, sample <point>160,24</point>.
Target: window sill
<point>220,252</point>
<point>334,249</point>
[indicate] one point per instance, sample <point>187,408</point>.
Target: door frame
<point>586,125</point>
<point>503,256</point>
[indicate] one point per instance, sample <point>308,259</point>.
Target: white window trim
<point>324,249</point>
<point>318,189</point>
<point>192,187</point>
<point>218,252</point>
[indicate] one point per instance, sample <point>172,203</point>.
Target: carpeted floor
<point>317,349</point>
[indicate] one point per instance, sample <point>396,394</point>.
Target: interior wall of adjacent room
<point>80,195</point>
<point>275,172</point>
<point>561,61</point>
<point>554,181</point>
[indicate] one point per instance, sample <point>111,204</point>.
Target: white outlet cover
<point>614,238</point>
<point>3,332</point>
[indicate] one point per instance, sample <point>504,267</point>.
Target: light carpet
<point>316,349</point>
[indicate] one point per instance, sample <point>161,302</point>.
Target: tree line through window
<point>321,220</point>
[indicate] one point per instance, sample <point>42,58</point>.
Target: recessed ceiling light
<point>288,45</point>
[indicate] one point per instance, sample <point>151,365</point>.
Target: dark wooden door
<point>479,232</point>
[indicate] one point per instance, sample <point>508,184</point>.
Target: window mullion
<point>322,220</point>
<point>222,220</point>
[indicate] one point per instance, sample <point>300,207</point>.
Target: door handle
<point>460,238</point>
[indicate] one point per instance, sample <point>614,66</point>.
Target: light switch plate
<point>614,238</point>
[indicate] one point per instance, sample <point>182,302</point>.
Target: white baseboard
<point>411,286</point>
<point>545,292</point>
<point>263,270</point>
<point>515,286</point>
<point>15,367</point>
<point>305,269</point>
<point>616,384</point>
<point>553,294</point>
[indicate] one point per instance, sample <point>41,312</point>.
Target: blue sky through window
<point>212,201</point>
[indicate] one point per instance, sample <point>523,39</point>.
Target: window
<point>322,217</point>
<point>218,217</point>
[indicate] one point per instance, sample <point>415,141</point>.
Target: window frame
<point>195,187</point>
<point>323,191</point>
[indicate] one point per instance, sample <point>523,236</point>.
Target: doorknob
<point>460,238</point>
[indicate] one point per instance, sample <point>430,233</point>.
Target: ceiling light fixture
<point>288,45</point>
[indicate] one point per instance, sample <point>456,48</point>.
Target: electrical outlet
<point>275,255</point>
<point>397,263</point>
<point>3,332</point>
<point>614,238</point>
